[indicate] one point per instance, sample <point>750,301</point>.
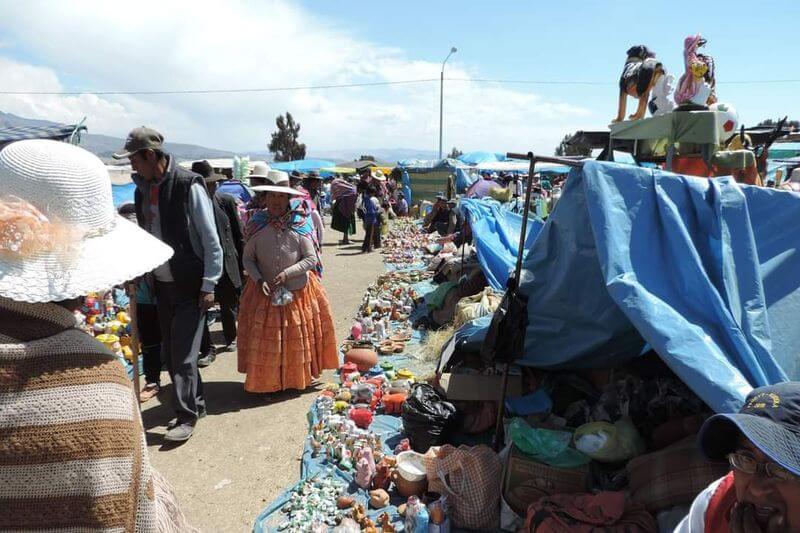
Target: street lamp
<point>453,50</point>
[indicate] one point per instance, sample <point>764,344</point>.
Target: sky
<point>103,45</point>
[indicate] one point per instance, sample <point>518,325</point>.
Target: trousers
<point>228,297</point>
<point>181,331</point>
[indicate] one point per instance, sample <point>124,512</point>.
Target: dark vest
<point>173,207</point>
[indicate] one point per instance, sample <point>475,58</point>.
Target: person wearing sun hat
<point>72,449</point>
<point>762,445</point>
<point>172,204</point>
<point>286,335</point>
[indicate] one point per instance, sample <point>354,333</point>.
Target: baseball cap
<point>770,419</point>
<point>141,138</point>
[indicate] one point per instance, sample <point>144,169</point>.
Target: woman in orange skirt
<point>284,342</point>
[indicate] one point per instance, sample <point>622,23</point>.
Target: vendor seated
<point>439,218</point>
<point>762,446</point>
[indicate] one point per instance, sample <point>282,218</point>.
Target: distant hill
<point>105,145</point>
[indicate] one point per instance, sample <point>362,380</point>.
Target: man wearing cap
<point>173,205</point>
<point>762,445</point>
<point>229,231</point>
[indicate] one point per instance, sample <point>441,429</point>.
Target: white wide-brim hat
<point>71,188</point>
<point>279,182</point>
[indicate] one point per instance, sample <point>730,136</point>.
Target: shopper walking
<point>228,289</point>
<point>286,335</point>
<point>172,204</point>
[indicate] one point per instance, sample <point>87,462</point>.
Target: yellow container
<point>108,339</point>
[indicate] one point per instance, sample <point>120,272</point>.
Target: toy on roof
<point>642,71</point>
<point>697,86</point>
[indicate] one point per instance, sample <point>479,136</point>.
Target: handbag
<point>469,478</point>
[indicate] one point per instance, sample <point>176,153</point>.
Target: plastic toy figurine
<point>640,74</point>
<point>365,467</point>
<point>697,86</point>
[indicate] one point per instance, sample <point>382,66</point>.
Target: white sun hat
<point>60,236</point>
<point>279,182</point>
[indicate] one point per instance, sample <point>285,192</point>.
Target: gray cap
<point>141,138</point>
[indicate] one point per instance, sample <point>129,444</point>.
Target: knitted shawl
<point>72,450</point>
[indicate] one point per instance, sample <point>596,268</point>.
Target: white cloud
<point>185,44</point>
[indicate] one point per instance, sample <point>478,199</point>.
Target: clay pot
<point>409,488</point>
<point>363,356</point>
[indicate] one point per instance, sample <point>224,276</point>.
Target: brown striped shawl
<point>72,451</point>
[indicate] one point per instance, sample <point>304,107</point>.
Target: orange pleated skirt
<point>285,347</point>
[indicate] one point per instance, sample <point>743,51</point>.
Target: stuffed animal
<point>697,85</point>
<point>640,74</point>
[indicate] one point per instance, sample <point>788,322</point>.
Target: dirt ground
<point>247,450</point>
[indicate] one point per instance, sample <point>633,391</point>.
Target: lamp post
<point>453,50</point>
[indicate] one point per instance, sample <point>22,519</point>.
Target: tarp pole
<point>513,285</point>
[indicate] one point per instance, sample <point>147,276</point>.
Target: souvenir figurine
<point>640,74</point>
<point>382,478</point>
<point>386,523</point>
<point>697,86</point>
<point>365,468</point>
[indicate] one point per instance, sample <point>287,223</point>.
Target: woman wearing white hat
<point>71,427</point>
<point>286,335</point>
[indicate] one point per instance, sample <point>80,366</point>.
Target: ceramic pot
<point>409,488</point>
<point>362,355</point>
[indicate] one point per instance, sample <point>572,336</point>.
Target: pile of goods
<point>108,321</point>
<point>405,246</point>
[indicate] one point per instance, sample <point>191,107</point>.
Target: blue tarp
<point>495,235</point>
<point>122,194</point>
<point>784,150</point>
<point>463,180</point>
<point>303,165</point>
<point>475,158</point>
<point>407,187</point>
<point>236,189</point>
<point>703,270</point>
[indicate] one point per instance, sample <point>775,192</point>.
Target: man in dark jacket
<point>172,204</point>
<point>229,231</point>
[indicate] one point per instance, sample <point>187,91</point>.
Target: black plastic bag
<point>427,418</point>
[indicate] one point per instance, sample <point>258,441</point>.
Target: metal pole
<point>512,288</point>
<point>441,109</point>
<point>135,346</point>
<point>453,50</point>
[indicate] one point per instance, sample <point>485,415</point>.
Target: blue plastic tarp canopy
<point>302,165</point>
<point>702,270</point>
<point>495,235</point>
<point>784,150</point>
<point>475,158</point>
<point>464,180</point>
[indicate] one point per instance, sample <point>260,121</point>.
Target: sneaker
<point>207,359</point>
<point>179,433</point>
<point>230,347</point>
<point>174,422</point>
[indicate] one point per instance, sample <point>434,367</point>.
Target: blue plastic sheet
<point>463,180</point>
<point>123,194</point>
<point>302,165</point>
<point>703,270</point>
<point>495,234</point>
<point>407,186</point>
<point>476,158</point>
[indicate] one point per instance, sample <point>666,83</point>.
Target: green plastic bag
<point>546,445</point>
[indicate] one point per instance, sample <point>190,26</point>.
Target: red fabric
<point>608,512</point>
<point>719,508</point>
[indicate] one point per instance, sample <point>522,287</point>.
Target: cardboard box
<point>471,387</point>
<point>525,480</point>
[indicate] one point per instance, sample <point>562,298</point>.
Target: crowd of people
<point>72,450</point>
